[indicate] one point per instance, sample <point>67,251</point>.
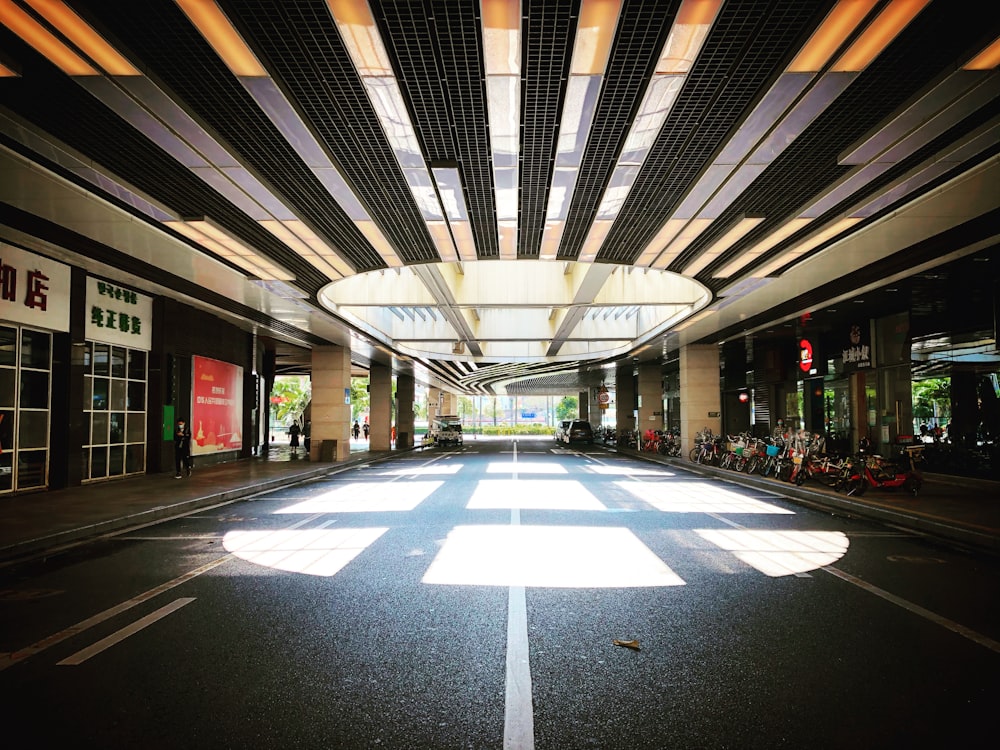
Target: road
<point>472,597</point>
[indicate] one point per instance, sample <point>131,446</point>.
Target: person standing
<point>182,449</point>
<point>293,437</point>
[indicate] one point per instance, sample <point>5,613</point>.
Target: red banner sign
<point>217,406</point>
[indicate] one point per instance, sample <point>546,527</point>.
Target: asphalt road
<point>471,598</point>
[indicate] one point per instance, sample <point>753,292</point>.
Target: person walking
<point>182,449</point>
<point>356,430</point>
<point>367,429</point>
<point>293,437</point>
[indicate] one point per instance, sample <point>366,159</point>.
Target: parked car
<point>560,433</point>
<point>579,431</point>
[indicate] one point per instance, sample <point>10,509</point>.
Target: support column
<point>380,407</point>
<point>449,403</point>
<point>331,408</point>
<point>650,397</point>
<point>700,394</point>
<point>583,405</point>
<point>433,401</point>
<point>405,394</point>
<point>625,398</point>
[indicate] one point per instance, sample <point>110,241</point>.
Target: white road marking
<point>105,643</point>
<point>519,716</point>
<point>7,660</point>
<point>916,609</point>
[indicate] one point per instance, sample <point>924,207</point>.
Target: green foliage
<point>295,394</point>
<point>360,399</point>
<point>568,408</point>
<point>931,392</point>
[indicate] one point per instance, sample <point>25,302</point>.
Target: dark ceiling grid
<point>458,41</point>
<point>642,30</point>
<point>931,41</point>
<point>177,55</point>
<point>722,85</point>
<point>303,45</point>
<point>77,119</point>
<point>548,29</point>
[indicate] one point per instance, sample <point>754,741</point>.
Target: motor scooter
<point>877,472</point>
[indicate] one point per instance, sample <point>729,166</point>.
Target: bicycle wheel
<point>855,485</point>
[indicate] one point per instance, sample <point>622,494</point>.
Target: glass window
<point>117,362</point>
<point>98,462</point>
<point>136,428</point>
<point>6,471</point>
<point>100,399</point>
<point>99,429</point>
<point>35,348</point>
<point>101,354</point>
<point>34,390</point>
<point>116,460</point>
<point>33,431</point>
<point>6,431</point>
<point>31,468</point>
<point>88,356</point>
<point>136,364</point>
<point>7,389</point>
<point>136,400</point>
<point>8,346</point>
<point>134,458</point>
<point>116,426</point>
<point>118,395</point>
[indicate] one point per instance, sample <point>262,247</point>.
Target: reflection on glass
<point>7,390</point>
<point>6,471</point>
<point>101,359</point>
<point>134,458</point>
<point>88,356</point>
<point>31,468</point>
<point>135,431</point>
<point>98,462</point>
<point>35,348</point>
<point>117,428</point>
<point>100,398</point>
<point>8,346</point>
<point>118,395</point>
<point>117,362</point>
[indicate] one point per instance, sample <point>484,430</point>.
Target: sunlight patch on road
<point>780,553</point>
<point>438,468</point>
<point>525,467</point>
<point>630,471</point>
<point>548,556</point>
<point>317,552</point>
<point>533,494</point>
<point>697,497</point>
<point>367,497</point>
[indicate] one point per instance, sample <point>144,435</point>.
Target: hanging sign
<point>805,355</point>
<point>858,353</point>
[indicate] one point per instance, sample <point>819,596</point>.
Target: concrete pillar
<point>433,405</point>
<point>331,408</point>
<point>405,394</point>
<point>583,407</point>
<point>380,407</point>
<point>449,403</point>
<point>625,398</point>
<point>701,398</point>
<point>650,397</point>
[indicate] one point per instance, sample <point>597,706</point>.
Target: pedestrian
<point>293,437</point>
<point>356,430</point>
<point>367,430</point>
<point>182,449</point>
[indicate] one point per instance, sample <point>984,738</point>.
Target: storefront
<point>34,305</point>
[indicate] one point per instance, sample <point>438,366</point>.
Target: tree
<point>360,399</point>
<point>289,398</point>
<point>932,398</point>
<point>568,408</point>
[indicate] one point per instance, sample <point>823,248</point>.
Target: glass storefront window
<point>25,385</point>
<point>115,408</point>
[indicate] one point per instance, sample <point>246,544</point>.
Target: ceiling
<point>647,174</point>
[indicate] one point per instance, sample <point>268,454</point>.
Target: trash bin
<point>328,450</point>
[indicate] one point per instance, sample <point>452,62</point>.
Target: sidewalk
<point>962,511</point>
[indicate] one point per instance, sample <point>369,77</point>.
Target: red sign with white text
<point>217,406</point>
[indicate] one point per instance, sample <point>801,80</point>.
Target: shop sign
<point>858,353</point>
<point>116,315</point>
<point>805,355</point>
<point>34,290</point>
